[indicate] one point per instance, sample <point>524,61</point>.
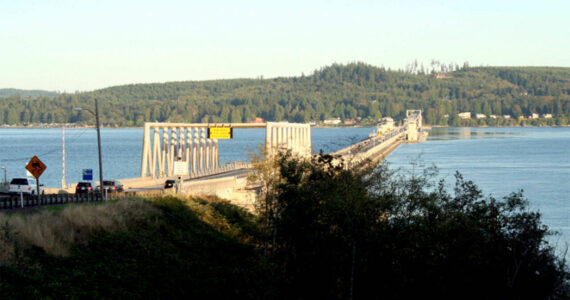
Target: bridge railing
<point>28,201</point>
<point>17,201</point>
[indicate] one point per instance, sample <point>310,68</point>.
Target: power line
<point>48,152</point>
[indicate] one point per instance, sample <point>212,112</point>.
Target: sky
<point>83,45</point>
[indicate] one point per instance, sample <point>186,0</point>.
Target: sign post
<point>180,168</point>
<point>36,167</point>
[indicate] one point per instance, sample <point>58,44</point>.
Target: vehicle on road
<point>170,183</point>
<point>83,188</point>
<point>111,186</point>
<point>25,186</point>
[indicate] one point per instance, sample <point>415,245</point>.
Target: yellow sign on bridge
<point>220,133</point>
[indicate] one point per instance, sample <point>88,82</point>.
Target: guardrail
<point>21,201</point>
<point>235,165</point>
<point>26,201</point>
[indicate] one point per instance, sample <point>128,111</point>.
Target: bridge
<point>189,152</point>
<point>384,141</point>
<point>168,144</point>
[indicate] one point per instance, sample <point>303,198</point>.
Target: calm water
<point>503,160</point>
<point>498,160</point>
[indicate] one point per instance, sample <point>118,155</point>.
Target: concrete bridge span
<point>168,145</point>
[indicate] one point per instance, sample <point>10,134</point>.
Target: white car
<point>25,186</point>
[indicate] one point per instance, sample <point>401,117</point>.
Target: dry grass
<point>55,232</point>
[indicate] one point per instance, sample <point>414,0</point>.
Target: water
<point>501,161</point>
<point>498,160</point>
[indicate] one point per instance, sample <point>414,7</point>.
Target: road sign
<point>36,167</point>
<point>220,132</point>
<point>87,174</point>
<point>180,168</point>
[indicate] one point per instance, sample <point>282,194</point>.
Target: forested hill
<point>353,91</point>
<point>26,93</point>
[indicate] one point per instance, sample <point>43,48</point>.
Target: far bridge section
<point>167,146</point>
<point>385,140</point>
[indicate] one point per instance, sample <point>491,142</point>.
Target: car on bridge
<point>170,183</point>
<point>111,186</point>
<point>24,186</point>
<point>83,188</point>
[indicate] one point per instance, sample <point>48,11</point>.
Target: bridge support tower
<point>413,125</point>
<point>167,143</point>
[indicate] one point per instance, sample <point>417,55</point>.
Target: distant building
<point>349,122</point>
<point>464,115</point>
<point>446,116</point>
<point>442,76</point>
<point>493,116</point>
<point>480,116</point>
<point>332,121</point>
<point>507,116</point>
<point>257,120</point>
<point>533,116</point>
<point>547,116</point>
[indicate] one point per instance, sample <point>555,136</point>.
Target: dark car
<point>83,188</point>
<point>170,183</point>
<point>111,186</point>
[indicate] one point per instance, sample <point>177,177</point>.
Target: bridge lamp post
<point>5,179</point>
<point>96,114</point>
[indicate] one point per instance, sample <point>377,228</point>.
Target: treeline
<point>354,91</point>
<point>26,93</point>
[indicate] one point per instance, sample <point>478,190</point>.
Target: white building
<point>493,116</point>
<point>464,115</point>
<point>480,116</point>
<point>547,116</point>
<point>507,116</point>
<point>333,121</point>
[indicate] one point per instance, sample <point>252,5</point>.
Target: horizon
<point>69,46</point>
<point>269,78</point>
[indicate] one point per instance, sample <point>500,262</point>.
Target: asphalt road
<point>239,172</point>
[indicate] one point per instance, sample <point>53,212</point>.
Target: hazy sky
<point>85,45</point>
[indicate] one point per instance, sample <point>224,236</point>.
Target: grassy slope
<point>164,249</point>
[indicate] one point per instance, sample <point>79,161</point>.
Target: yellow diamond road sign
<point>36,167</point>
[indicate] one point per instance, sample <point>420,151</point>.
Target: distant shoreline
<point>75,126</point>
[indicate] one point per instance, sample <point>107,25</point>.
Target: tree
<point>517,112</point>
<point>236,116</point>
<point>343,233</point>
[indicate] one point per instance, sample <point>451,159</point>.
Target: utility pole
<point>63,183</point>
<point>103,192</point>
